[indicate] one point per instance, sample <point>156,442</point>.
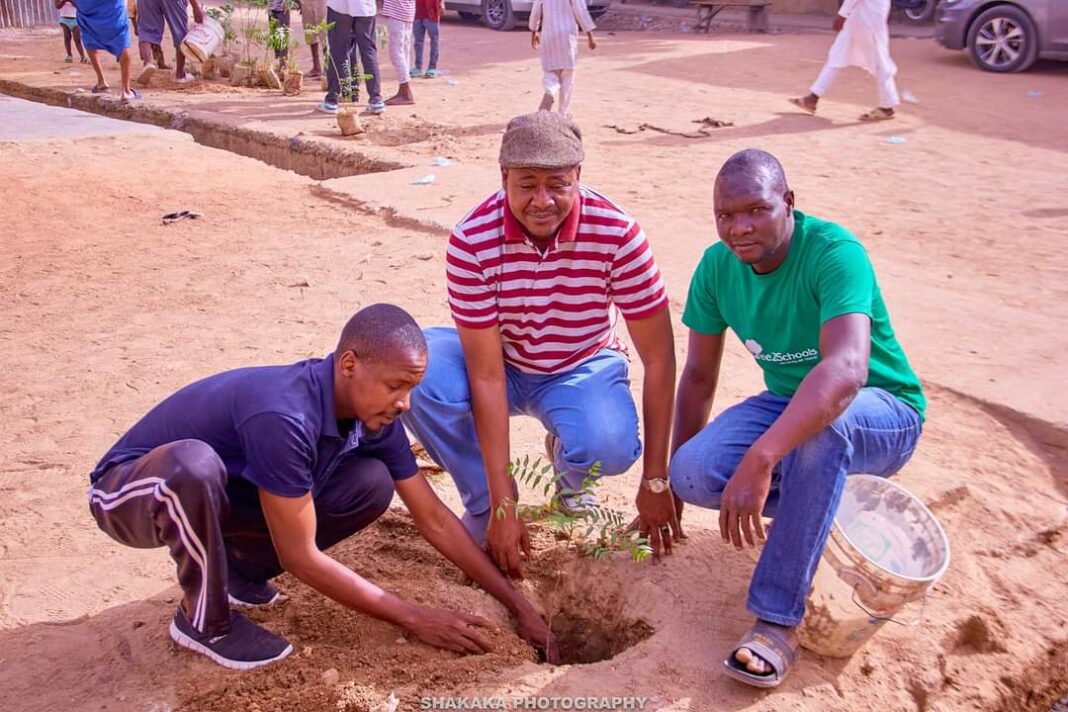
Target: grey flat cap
<point>544,139</point>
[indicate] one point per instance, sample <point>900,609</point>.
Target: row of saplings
<point>250,56</point>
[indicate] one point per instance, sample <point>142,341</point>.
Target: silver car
<point>504,14</point>
<point>1005,35</point>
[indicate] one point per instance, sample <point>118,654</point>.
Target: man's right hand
<point>451,630</point>
<point>657,520</point>
<point>505,538</point>
<point>535,39</point>
<point>532,628</point>
<point>839,23</point>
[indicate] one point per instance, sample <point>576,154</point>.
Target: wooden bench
<point>708,9</point>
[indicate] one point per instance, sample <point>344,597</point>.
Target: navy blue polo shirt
<point>273,426</point>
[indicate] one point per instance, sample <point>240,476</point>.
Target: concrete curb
<point>309,157</point>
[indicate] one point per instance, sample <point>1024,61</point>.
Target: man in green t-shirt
<point>841,397</point>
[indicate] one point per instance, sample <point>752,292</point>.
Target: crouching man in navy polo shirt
<point>256,471</point>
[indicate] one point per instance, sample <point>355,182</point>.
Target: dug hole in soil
<point>343,660</point>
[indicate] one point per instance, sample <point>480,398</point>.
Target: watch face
<point>657,485</point>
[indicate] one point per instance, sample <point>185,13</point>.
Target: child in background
<point>400,15</point>
<point>553,28</point>
<point>157,50</point>
<point>68,19</point>
<point>427,20</point>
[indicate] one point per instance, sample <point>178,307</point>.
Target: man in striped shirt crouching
<point>538,275</point>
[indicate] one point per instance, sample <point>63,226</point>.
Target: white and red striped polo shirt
<point>558,309</point>
<point>403,10</point>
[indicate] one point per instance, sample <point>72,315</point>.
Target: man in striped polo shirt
<point>538,274</point>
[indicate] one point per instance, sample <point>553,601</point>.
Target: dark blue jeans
<point>431,28</point>
<point>876,435</point>
<point>588,407</point>
<point>349,37</point>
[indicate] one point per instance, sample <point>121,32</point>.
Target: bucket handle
<point>891,619</point>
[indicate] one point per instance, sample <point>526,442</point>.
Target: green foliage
<point>224,15</point>
<point>245,17</point>
<point>280,39</point>
<point>278,36</point>
<point>314,32</point>
<point>600,530</point>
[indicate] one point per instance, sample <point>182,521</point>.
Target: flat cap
<point>544,139</point>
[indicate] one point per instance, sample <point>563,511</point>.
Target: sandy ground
<point>105,311</point>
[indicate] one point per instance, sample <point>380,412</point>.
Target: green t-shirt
<point>778,315</point>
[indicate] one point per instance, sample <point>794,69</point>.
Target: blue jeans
<point>876,435</point>
<point>589,409</point>
<point>431,28</point>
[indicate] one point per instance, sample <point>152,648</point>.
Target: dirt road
<point>105,311</point>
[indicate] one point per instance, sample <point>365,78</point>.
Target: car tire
<point>922,13</point>
<point>469,16</point>
<point>598,13</point>
<point>1003,39</point>
<point>498,15</point>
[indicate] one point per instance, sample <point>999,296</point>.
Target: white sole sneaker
<point>245,604</point>
<point>146,74</point>
<point>186,642</point>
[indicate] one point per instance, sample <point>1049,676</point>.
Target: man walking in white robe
<point>863,41</point>
<point>555,25</point>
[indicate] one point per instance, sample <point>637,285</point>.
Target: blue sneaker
<point>417,72</point>
<point>243,592</point>
<point>431,73</point>
<point>246,645</point>
<point>376,107</point>
<point>327,107</point>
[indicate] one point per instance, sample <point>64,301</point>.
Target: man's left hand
<point>839,23</point>
<point>198,15</point>
<point>743,501</point>
<point>657,520</point>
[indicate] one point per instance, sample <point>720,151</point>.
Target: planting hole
<point>583,639</point>
<point>585,602</point>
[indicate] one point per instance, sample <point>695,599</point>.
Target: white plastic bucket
<point>202,40</point>
<point>886,549</point>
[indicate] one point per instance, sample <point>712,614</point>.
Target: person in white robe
<point>863,41</point>
<point>554,25</point>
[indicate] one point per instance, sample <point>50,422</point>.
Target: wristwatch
<point>656,485</point>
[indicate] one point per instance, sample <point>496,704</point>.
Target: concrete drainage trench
<point>317,159</point>
<point>314,159</point>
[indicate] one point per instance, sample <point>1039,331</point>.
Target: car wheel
<point>598,13</point>
<point>922,12</point>
<point>498,15</point>
<point>469,16</point>
<point>1003,39</point>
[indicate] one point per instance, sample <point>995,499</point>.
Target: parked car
<point>504,14</point>
<point>1005,36</point>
